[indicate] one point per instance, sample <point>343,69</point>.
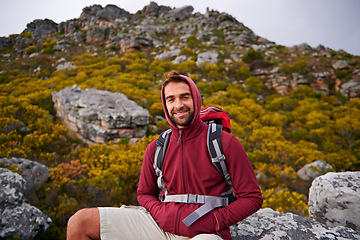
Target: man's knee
<point>86,221</point>
<point>79,217</point>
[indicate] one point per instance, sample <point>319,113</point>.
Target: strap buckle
<point>192,198</point>
<point>221,157</point>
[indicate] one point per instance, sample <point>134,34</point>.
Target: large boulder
<point>35,174</point>
<point>99,116</point>
<point>269,224</point>
<point>334,199</point>
<point>18,218</point>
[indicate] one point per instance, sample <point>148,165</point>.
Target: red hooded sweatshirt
<point>187,168</point>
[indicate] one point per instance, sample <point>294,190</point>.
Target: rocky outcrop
<point>35,174</point>
<point>312,170</point>
<point>97,16</point>
<point>334,199</point>
<point>18,218</point>
<point>98,116</point>
<point>269,224</point>
<point>40,27</point>
<point>154,10</point>
<point>180,13</point>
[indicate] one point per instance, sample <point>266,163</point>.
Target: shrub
<point>252,55</point>
<point>31,49</point>
<point>192,41</point>
<point>48,46</point>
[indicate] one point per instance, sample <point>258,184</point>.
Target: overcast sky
<point>332,23</point>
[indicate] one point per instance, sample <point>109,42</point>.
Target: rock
<point>17,217</point>
<point>24,220</point>
<point>180,13</point>
<point>180,59</point>
<point>69,26</point>
<point>97,16</point>
<point>67,65</point>
<point>62,45</point>
<point>111,12</point>
<point>167,55</point>
<point>100,116</point>
<point>5,42</point>
<point>13,187</point>
<point>14,126</point>
<point>79,37</point>
<point>269,224</point>
<point>312,170</point>
<point>302,47</point>
<point>334,199</point>
<point>34,173</point>
<point>96,34</point>
<point>40,27</point>
<point>134,44</point>
<point>154,10</point>
<point>351,89</point>
<point>341,64</point>
<point>209,57</point>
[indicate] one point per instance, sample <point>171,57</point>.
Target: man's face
<point>179,103</point>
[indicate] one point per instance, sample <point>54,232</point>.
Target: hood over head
<point>196,99</point>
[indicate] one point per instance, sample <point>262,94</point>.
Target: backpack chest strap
<point>210,203</point>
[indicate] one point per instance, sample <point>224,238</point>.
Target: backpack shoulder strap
<point>160,151</point>
<point>216,152</point>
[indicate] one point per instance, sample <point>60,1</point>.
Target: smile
<point>180,114</point>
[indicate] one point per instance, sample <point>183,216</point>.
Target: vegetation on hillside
<point>280,133</point>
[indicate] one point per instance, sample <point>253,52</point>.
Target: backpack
<point>218,120</point>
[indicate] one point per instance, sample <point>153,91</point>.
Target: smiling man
<point>179,102</point>
<point>190,181</point>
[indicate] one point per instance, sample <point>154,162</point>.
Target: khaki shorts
<point>133,222</point>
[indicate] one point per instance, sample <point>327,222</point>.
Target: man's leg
<point>130,222</point>
<point>84,225</point>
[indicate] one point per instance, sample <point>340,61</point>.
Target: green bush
<point>31,49</point>
<point>252,55</point>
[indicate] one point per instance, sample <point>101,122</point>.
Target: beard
<point>182,121</point>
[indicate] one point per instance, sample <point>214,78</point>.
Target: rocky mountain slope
<point>78,70</point>
<point>163,33</point>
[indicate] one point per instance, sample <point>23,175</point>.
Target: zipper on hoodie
<point>180,132</point>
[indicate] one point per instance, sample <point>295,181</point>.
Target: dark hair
<point>173,76</point>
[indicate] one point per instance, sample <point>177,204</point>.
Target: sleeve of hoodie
<point>148,192</point>
<point>249,199</point>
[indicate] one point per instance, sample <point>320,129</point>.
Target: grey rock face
<point>35,174</point>
<point>268,224</point>
<point>341,64</point>
<point>12,187</point>
<point>334,199</point>
<point>40,27</point>
<point>312,170</point>
<point>18,217</point>
<point>351,89</point>
<point>154,10</point>
<point>180,13</point>
<point>100,116</point>
<point>209,57</point>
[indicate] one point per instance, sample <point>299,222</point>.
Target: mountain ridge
<point>156,30</point>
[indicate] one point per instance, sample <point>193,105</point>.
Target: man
<point>187,169</point>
